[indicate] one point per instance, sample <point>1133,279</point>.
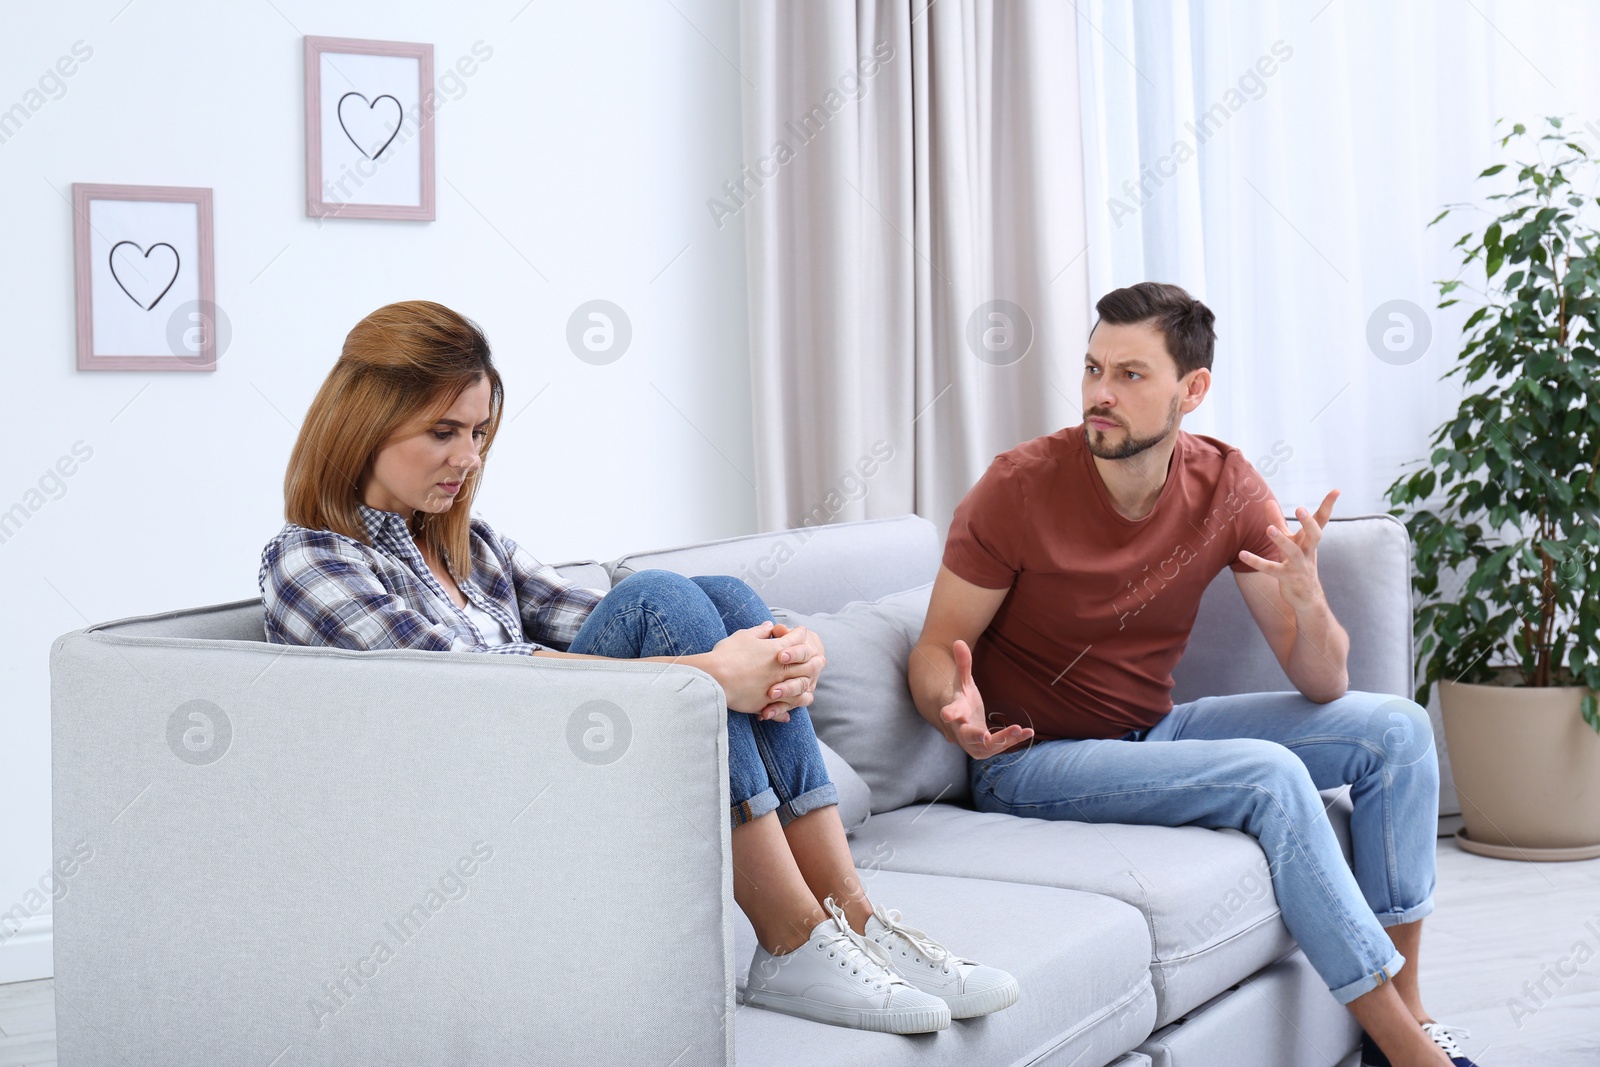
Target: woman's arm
<point>319,589</point>
<point>553,607</point>
<point>751,667</point>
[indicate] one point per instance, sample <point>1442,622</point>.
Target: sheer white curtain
<point>1281,161</point>
<point>914,222</point>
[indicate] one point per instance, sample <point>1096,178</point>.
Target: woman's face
<point>423,466</point>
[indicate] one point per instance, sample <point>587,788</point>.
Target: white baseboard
<point>27,954</point>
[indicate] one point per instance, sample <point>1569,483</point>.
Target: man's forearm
<point>929,675</point>
<point>1317,662</point>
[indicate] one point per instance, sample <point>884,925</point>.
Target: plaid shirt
<point>322,588</point>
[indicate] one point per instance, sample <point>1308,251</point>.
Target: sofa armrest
<point>291,856</point>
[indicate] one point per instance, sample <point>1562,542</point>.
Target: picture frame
<point>144,269</point>
<point>374,161</point>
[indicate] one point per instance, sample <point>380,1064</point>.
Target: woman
<point>378,497</point>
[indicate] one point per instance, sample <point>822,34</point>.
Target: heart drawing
<point>141,277</point>
<point>370,125</point>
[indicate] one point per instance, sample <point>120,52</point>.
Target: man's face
<point>1132,394</point>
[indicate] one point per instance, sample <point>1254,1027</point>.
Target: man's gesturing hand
<point>1298,583</point>
<point>965,716</point>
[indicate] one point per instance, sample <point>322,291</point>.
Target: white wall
<point>586,146</point>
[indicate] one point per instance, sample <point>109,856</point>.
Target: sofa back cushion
<point>814,568</point>
<point>587,573</point>
<point>245,620</point>
<point>236,620</point>
<point>864,710</point>
<point>855,799</point>
<point>1365,566</point>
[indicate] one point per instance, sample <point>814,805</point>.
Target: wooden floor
<point>1512,954</point>
<point>27,1023</point>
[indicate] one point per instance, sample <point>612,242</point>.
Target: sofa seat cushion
<point>1205,894</point>
<point>1081,962</point>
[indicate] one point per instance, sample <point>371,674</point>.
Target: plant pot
<point>1527,770</point>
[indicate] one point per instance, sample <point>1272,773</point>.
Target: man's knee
<point>1272,767</point>
<point>1400,732</point>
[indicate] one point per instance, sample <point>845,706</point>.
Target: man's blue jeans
<point>1254,762</point>
<point>772,766</point>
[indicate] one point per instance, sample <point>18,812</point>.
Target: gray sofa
<point>313,856</point>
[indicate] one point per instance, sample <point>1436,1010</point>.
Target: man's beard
<point>1132,445</point>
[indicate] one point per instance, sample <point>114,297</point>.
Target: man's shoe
<point>968,987</point>
<point>1444,1036</point>
<point>840,977</point>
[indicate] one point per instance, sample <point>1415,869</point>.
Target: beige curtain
<point>913,205</point>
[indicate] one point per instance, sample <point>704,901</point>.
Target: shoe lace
<point>931,950</point>
<point>1445,1037</point>
<point>859,950</point>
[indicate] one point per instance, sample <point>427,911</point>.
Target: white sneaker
<point>840,977</point>
<point>968,987</point>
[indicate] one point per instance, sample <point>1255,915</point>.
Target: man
<point>1071,577</point>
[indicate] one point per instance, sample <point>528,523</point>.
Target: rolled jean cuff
<point>752,809</point>
<point>1409,915</point>
<point>1367,983</point>
<point>807,802</point>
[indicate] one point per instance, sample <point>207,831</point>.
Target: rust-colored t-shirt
<point>1100,606</point>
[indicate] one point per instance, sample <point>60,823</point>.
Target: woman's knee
<point>655,583</point>
<point>672,604</point>
<point>666,593</point>
<point>738,604</point>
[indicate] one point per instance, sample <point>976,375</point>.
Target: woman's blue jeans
<point>772,766</point>
<point>1255,762</point>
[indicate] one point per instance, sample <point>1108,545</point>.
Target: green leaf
<point>1496,562</point>
<point>1506,498</point>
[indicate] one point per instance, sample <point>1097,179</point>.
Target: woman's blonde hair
<point>400,362</point>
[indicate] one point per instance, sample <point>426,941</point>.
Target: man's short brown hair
<point>1185,323</point>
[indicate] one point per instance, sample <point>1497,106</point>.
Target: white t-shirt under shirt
<point>494,633</point>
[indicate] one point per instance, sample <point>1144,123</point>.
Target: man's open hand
<point>965,715</point>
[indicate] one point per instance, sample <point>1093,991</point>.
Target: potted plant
<point>1510,499</point>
